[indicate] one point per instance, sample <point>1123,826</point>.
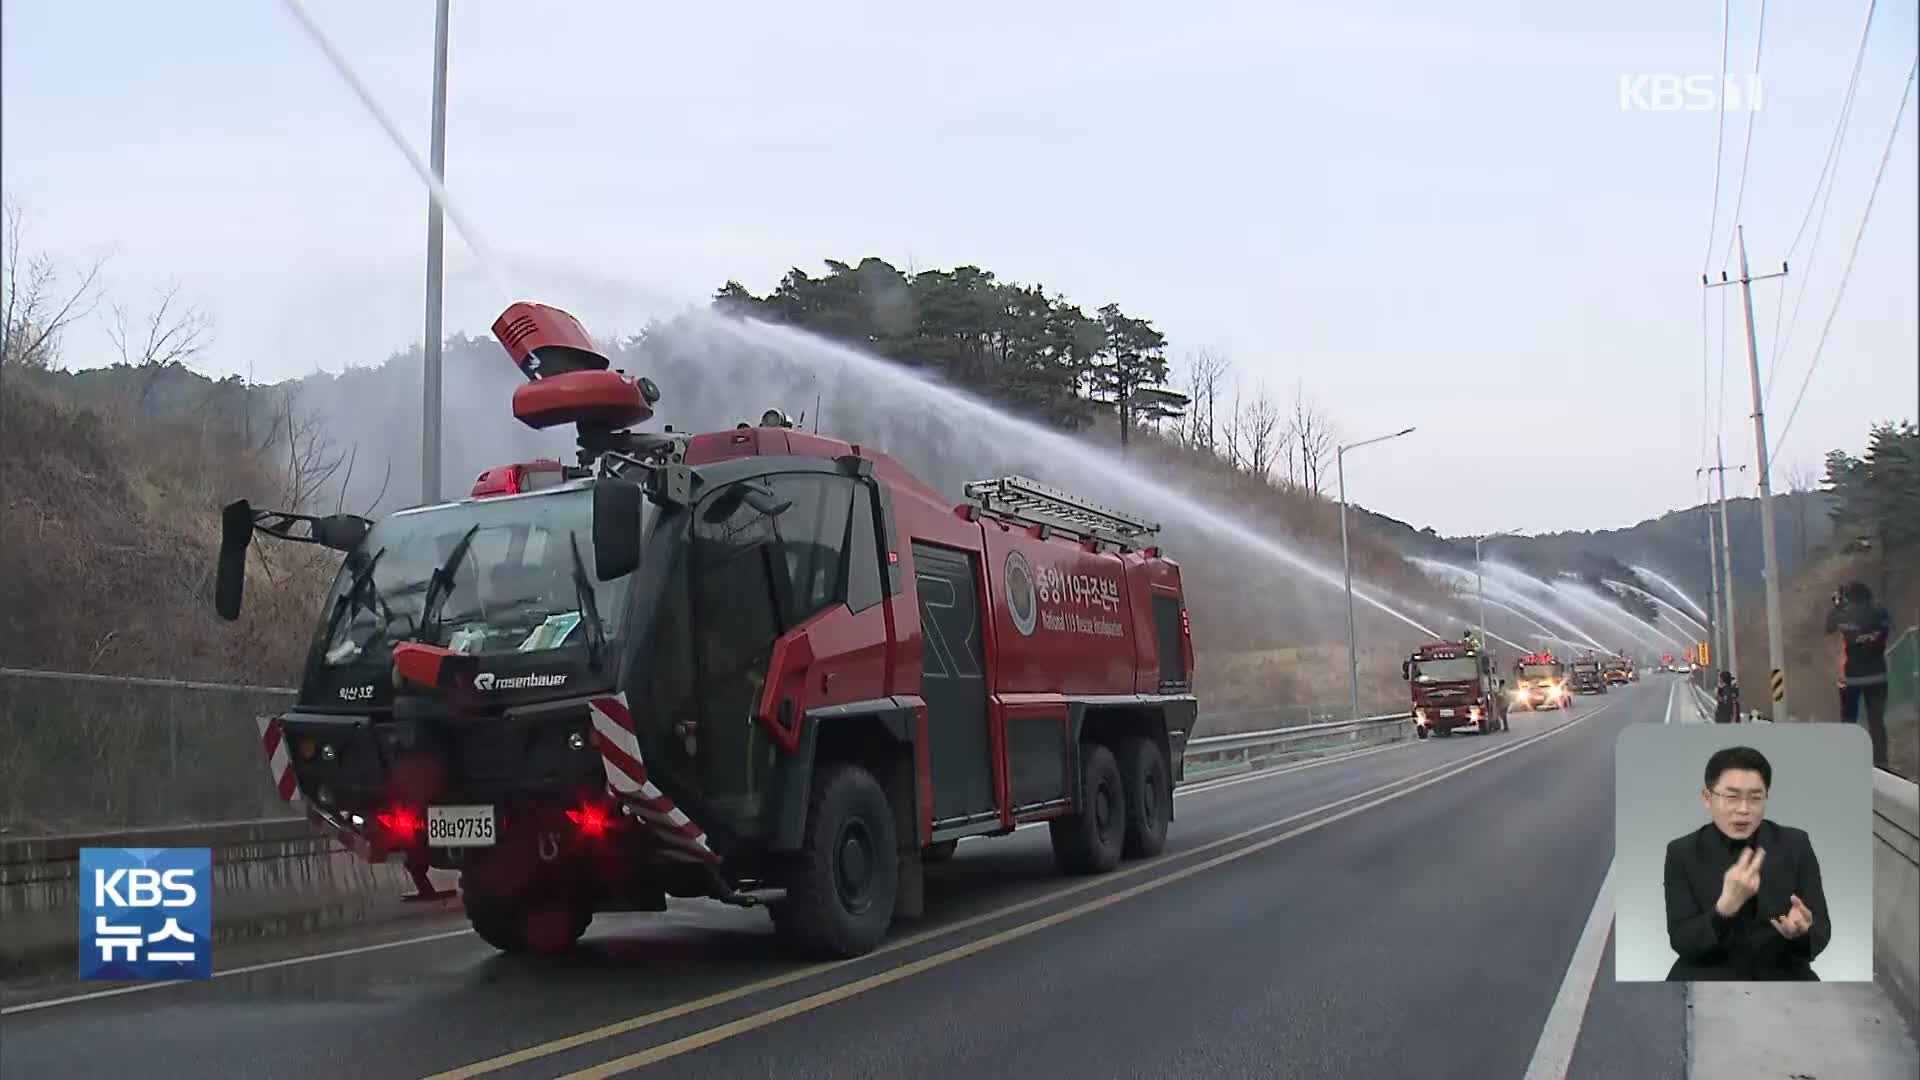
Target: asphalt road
<point>1410,911</point>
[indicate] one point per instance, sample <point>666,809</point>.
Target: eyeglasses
<point>1737,798</point>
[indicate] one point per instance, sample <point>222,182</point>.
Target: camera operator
<point>1864,627</point>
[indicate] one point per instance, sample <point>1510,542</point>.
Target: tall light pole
<point>430,374</point>
<point>1480,583</point>
<point>1346,563</point>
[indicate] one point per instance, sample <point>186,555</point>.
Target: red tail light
<point>590,820</point>
<point>400,821</point>
<point>1186,626</point>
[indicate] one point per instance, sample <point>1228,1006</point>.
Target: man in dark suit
<point>1744,900</point>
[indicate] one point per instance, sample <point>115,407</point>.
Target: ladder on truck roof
<point>1031,502</point>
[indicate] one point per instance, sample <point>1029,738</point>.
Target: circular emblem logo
<point>1023,600</point>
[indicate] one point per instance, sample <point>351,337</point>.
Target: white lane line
<point>248,970</point>
<point>1554,1052</point>
<point>1670,692</point>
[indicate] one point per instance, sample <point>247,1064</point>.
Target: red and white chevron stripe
<point>627,778</point>
<point>273,741</point>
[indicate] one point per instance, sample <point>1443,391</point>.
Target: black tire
<point>840,893</point>
<point>940,851</point>
<point>543,926</point>
<point>1091,841</point>
<point>1149,794</point>
<point>1419,732</point>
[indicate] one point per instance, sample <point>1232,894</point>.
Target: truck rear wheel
<point>541,925</point>
<point>1143,770</point>
<point>1091,840</point>
<point>840,894</point>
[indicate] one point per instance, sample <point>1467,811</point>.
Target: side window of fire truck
<point>865,584</point>
<point>813,538</point>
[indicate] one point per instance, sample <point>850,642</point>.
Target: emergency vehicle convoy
<point>756,665</point>
<point>1539,682</point>
<point>1453,689</point>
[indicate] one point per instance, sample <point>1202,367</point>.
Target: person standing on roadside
<point>1864,627</point>
<point>1726,700</point>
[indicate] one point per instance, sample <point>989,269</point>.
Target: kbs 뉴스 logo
<point>146,913</point>
<point>1023,600</point>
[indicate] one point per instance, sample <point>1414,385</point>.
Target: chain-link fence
<point>81,752</point>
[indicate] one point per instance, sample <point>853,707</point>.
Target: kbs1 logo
<point>146,913</point>
<point>1690,93</point>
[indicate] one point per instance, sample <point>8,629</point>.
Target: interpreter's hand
<point>1796,922</point>
<point>1741,881</point>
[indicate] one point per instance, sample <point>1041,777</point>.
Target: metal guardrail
<point>1221,751</point>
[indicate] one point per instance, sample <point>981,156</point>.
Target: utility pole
<point>1726,563</point>
<point>1713,585</point>
<point>436,249</point>
<point>1776,644</point>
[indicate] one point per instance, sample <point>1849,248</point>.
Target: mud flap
<point>424,890</point>
<point>910,897</point>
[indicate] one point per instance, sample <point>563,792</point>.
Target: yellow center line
<point>622,1027</point>
<point>645,1020</point>
<point>722,1032</point>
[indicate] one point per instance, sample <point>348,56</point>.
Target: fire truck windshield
<point>1453,669</point>
<point>1540,671</point>
<point>522,581</point>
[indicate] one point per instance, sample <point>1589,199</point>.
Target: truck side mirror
<point>236,532</point>
<point>1486,665</point>
<point>616,528</point>
<point>1406,669</point>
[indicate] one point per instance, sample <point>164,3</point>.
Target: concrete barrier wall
<point>1896,883</point>
<point>271,878</point>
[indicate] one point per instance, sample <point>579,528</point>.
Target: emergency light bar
<point>518,479</point>
<point>1017,498</point>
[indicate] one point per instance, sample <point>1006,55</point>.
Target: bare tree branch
<point>36,305</point>
<point>1258,424</point>
<point>1313,436</point>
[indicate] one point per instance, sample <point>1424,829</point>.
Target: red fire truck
<point>756,665</point>
<point>1453,688</point>
<point>1540,682</point>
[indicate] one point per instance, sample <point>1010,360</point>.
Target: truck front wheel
<point>1090,840</point>
<point>1143,768</point>
<point>840,894</point>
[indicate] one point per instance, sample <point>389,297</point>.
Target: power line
<point>1719,138</point>
<point>1753,115</point>
<point>1829,171</point>
<point>1840,293</point>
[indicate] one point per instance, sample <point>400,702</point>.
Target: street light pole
<point>1346,563</point>
<point>430,374</point>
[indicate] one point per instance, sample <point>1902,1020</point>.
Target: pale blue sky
<point>1428,214</point>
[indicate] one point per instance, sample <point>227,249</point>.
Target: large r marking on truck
<point>939,594</point>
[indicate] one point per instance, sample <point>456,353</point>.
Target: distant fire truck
<point>1452,683</point>
<point>1539,682</point>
